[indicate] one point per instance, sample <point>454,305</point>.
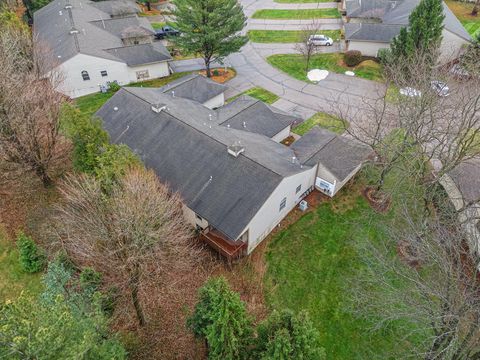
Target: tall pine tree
<point>209,28</point>
<point>424,32</point>
<point>221,319</point>
<point>286,336</point>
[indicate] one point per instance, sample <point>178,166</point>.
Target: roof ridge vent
<point>236,149</point>
<point>157,108</point>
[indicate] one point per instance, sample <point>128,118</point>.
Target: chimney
<point>235,149</point>
<point>156,108</point>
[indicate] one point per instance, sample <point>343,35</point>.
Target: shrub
<point>32,258</point>
<point>90,280</point>
<point>215,73</point>
<point>88,138</point>
<point>353,57</point>
<point>385,56</point>
<point>114,87</point>
<point>112,164</point>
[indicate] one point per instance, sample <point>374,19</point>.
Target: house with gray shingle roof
<point>236,179</point>
<point>94,43</point>
<point>372,25</point>
<point>462,185</point>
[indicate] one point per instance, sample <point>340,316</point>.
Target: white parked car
<point>409,91</point>
<point>320,40</point>
<point>440,88</point>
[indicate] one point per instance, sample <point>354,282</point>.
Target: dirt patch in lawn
<point>220,75</point>
<point>379,201</point>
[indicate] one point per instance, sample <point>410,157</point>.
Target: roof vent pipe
<point>156,108</point>
<point>235,149</point>
<point>73,31</point>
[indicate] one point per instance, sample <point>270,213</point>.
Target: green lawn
<point>312,265</point>
<point>324,120</point>
<point>12,278</point>
<point>285,36</point>
<point>294,65</point>
<point>89,104</point>
<point>158,25</point>
<point>258,93</point>
<point>462,11</point>
<point>296,14</point>
<point>472,27</point>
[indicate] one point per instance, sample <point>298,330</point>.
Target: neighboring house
<point>94,43</point>
<point>197,88</point>
<point>462,186</point>
<point>237,181</point>
<point>337,158</point>
<point>373,24</point>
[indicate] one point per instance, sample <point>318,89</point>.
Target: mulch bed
<point>407,255</point>
<point>288,140</point>
<point>380,202</point>
<point>220,75</point>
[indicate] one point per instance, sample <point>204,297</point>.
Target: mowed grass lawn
<point>324,120</point>
<point>285,36</point>
<point>296,14</point>
<point>294,65</point>
<point>312,265</point>
<point>12,278</point>
<point>89,104</point>
<point>258,93</point>
<point>463,11</point>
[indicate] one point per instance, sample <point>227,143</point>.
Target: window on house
<point>283,203</point>
<point>85,75</point>
<point>142,74</point>
<point>297,190</point>
<point>103,73</point>
<point>136,42</point>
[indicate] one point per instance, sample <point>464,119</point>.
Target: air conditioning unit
<point>303,205</point>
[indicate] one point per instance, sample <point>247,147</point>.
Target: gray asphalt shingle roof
<point>194,87</point>
<point>53,25</point>
<point>337,154</point>
<point>393,15</point>
<point>371,32</point>
<point>141,54</point>
<point>189,152</point>
<point>467,178</point>
<point>249,114</point>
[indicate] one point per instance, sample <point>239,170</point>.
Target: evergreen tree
<point>221,319</point>
<point>209,28</point>
<point>60,324</point>
<point>285,335</point>
<point>424,32</point>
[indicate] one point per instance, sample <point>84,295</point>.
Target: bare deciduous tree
<point>305,46</point>
<point>431,290</point>
<point>133,235</point>
<point>428,128</point>
<point>29,106</point>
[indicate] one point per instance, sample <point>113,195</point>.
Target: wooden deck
<point>227,248</point>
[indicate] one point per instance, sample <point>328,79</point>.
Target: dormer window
<point>85,75</point>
